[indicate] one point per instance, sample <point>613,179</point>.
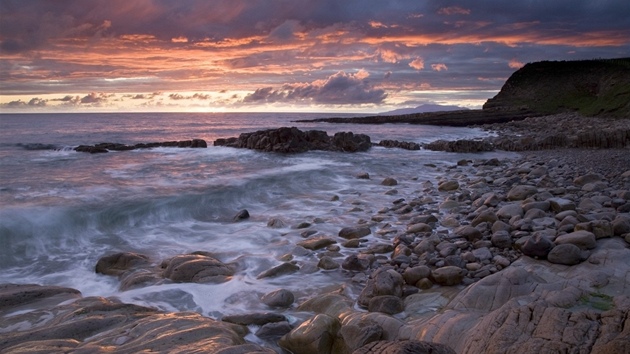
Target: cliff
<point>590,87</point>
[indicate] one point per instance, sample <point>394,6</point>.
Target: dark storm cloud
<point>340,88</point>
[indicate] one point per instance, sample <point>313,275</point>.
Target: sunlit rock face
<point>53,319</point>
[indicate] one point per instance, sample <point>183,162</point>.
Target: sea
<point>61,210</point>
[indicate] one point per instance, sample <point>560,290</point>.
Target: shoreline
<point>451,217</point>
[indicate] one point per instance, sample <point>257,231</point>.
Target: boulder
<point>354,232</point>
<point>327,263</point>
<point>521,192</point>
<point>446,186</point>
<point>412,275</point>
<point>197,268</point>
<point>537,246</point>
<point>241,215</point>
<point>448,275</point>
<point>278,298</point>
<point>314,336</point>
<point>501,239</point>
<point>282,269</point>
<point>419,227</point>
<point>349,142</point>
<point>257,319</point>
<point>383,282</point>
<point>583,239</point>
<point>561,204</point>
<point>388,304</point>
<point>485,216</point>
<point>354,263</point>
<point>119,263</point>
<point>273,330</point>
<point>510,210</point>
<point>315,243</point>
<point>358,335</point>
<point>621,226</point>
<point>567,254</point>
<point>468,232</point>
<point>389,182</point>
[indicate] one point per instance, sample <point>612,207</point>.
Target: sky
<point>287,55</point>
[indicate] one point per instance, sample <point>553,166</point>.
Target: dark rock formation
<point>591,87</point>
<point>459,146</point>
<point>293,140</point>
<point>407,145</point>
<point>106,147</point>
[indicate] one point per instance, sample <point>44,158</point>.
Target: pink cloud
<point>439,67</point>
<point>417,64</point>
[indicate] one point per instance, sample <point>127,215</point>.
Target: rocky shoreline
<point>522,256</point>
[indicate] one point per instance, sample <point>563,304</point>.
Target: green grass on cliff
<point>590,87</point>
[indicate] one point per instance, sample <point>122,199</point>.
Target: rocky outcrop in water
<point>106,147</point>
<point>293,140</point>
<point>566,130</point>
<point>407,145</point>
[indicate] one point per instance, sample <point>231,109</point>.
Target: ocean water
<point>61,210</point>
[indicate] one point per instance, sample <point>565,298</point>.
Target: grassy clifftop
<point>590,87</point>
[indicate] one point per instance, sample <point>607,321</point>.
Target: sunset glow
<point>299,55</point>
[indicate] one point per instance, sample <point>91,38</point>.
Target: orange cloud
<point>417,64</point>
<point>515,64</point>
<point>439,67</point>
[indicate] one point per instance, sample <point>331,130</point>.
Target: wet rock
<point>363,175</point>
<point>389,182</point>
<point>257,319</point>
<point>241,215</point>
<point>583,239</point>
<point>276,223</point>
<point>197,268</point>
<point>537,246</point>
<point>314,336</point>
<point>278,298</point>
<point>354,263</point>
<point>521,192</point>
<point>99,325</point>
<point>446,186</point>
<point>404,347</point>
<point>448,275</point>
<point>358,335</point>
<point>388,304</point>
<point>383,282</point>
<point>316,243</point>
<point>273,330</point>
<point>20,294</point>
<point>282,269</point>
<point>567,254</point>
<point>354,232</point>
<point>407,145</point>
<point>119,263</point>
<point>419,227</point>
<point>327,263</point>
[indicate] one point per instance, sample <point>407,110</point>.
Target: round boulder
<point>567,254</point>
<point>278,298</point>
<point>449,275</point>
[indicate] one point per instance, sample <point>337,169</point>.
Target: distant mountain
<point>423,108</point>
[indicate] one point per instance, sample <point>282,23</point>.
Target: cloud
<point>196,96</point>
<point>94,98</point>
<point>439,67</point>
<point>417,64</point>
<point>339,89</point>
<point>453,10</point>
<point>515,64</point>
<point>32,103</point>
